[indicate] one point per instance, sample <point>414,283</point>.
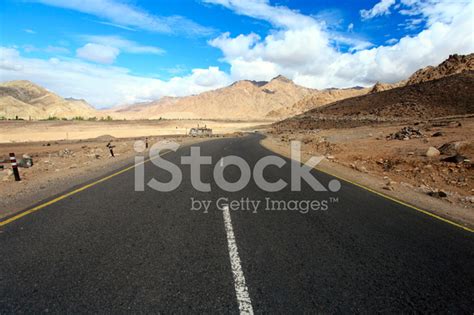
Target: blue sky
<point>112,52</point>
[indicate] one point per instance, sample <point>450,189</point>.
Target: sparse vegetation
<point>108,118</point>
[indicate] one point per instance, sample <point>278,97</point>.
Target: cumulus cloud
<point>314,56</point>
<point>98,53</point>
<point>103,85</point>
<point>125,16</point>
<point>381,8</point>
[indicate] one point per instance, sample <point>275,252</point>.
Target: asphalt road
<point>110,249</point>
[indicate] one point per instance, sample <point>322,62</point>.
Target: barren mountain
<point>315,100</point>
<point>453,65</point>
<point>380,87</point>
<point>448,96</point>
<point>243,100</point>
<point>28,100</point>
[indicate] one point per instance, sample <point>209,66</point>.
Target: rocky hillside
<point>380,87</point>
<point>448,96</point>
<point>28,100</point>
<point>243,100</point>
<point>315,100</point>
<point>453,65</point>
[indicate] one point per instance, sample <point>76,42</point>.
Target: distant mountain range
<point>243,100</point>
<point>26,100</point>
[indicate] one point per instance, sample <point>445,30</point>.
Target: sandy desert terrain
<point>25,131</point>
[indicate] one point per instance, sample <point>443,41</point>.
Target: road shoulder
<point>401,192</point>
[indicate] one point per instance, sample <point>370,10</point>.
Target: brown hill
<point>317,99</point>
<point>380,87</point>
<point>243,100</point>
<point>448,96</point>
<point>28,100</point>
<point>453,65</point>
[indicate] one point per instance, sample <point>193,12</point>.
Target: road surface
<point>111,249</point>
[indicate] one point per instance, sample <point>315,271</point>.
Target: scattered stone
<point>362,169</point>
<point>438,194</point>
<point>438,134</point>
<point>432,152</point>
<point>406,133</point>
<point>454,124</point>
<point>26,161</point>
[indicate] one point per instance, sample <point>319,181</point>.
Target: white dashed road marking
<point>243,298</point>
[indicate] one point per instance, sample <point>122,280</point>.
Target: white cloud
<point>261,9</point>
<point>103,85</point>
<point>350,27</point>
<point>123,44</point>
<point>56,50</point>
<point>98,53</point>
<point>105,49</point>
<point>381,8</point>
<point>391,41</point>
<point>29,31</point>
<point>124,15</point>
<point>311,54</point>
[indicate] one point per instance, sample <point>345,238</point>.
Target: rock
<point>362,169</point>
<point>432,152</point>
<point>26,161</point>
<point>406,133</point>
<point>451,148</point>
<point>455,159</point>
<point>388,188</point>
<point>438,194</point>
<point>470,199</point>
<point>411,153</point>
<point>330,157</point>
<point>438,134</point>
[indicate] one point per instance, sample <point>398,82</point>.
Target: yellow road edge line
<point>43,205</point>
<point>398,201</point>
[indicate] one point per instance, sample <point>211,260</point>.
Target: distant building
<point>200,132</point>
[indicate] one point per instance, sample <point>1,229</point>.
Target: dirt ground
<point>399,165</point>
<point>27,131</point>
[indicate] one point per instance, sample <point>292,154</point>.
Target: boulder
<point>432,152</point>
<point>451,148</point>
